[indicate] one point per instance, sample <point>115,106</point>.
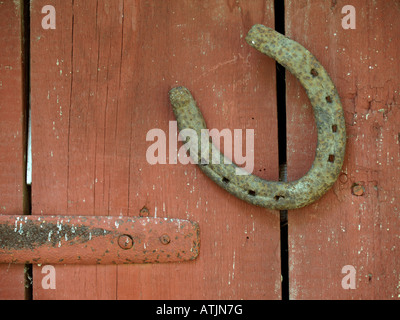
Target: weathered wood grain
<point>12,135</point>
<point>100,82</point>
<point>342,228</point>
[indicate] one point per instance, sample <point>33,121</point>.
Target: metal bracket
<point>96,240</point>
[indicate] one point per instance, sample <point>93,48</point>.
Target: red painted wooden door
<point>99,82</point>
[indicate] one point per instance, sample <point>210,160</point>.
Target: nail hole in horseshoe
<point>314,72</point>
<point>328,99</point>
<point>252,193</point>
<point>277,197</point>
<point>226,180</point>
<point>331,158</point>
<point>334,128</point>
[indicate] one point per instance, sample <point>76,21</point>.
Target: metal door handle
<point>329,119</point>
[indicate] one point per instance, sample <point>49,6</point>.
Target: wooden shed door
<point>100,73</point>
<point>100,83</point>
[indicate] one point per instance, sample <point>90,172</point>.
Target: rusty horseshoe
<point>329,118</point>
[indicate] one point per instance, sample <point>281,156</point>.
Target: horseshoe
<point>329,118</point>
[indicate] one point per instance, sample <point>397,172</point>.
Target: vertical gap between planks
<point>282,146</point>
<point>26,86</point>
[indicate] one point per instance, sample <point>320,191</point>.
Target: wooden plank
<point>343,229</point>
<point>100,82</point>
<point>12,135</point>
<point>60,96</point>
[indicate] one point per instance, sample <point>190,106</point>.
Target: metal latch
<point>96,240</point>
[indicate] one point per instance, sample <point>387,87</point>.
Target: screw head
<point>165,239</point>
<point>357,190</point>
<point>343,178</point>
<point>125,241</point>
<point>144,212</point>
